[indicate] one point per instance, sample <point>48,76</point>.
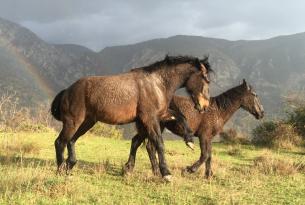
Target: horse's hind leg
<point>69,129</point>
<point>85,126</point>
<point>59,149</point>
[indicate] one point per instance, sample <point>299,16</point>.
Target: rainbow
<point>33,71</point>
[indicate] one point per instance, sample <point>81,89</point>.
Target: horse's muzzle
<point>259,115</point>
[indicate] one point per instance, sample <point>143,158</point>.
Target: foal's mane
<point>175,60</point>
<point>225,99</point>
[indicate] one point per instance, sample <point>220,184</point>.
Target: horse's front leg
<point>151,150</point>
<point>203,141</point>
<point>151,126</point>
<point>137,140</point>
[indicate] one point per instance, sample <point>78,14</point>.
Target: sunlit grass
<point>242,175</point>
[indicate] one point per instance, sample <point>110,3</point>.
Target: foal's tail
<point>55,106</point>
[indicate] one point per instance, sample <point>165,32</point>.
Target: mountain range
<point>36,70</point>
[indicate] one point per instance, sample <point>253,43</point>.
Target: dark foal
<point>141,95</point>
<point>210,123</point>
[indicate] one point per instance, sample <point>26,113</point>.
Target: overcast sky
<point>100,23</point>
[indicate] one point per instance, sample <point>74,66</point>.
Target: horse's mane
<point>225,99</point>
<point>174,60</point>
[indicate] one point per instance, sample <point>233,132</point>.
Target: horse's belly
<point>117,114</point>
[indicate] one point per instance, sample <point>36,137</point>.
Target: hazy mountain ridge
<point>274,66</point>
<point>37,60</point>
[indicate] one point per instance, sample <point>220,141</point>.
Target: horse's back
<point>110,99</point>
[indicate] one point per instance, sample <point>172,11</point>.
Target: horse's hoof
<point>126,170</point>
<point>168,178</point>
<point>69,172</point>
<point>189,169</point>
<point>209,175</point>
<point>61,169</point>
<point>156,172</point>
<point>184,172</point>
<point>190,145</point>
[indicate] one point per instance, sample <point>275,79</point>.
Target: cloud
<point>100,23</point>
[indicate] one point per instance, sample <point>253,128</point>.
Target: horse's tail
<point>55,106</point>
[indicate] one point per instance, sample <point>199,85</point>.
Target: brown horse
<point>210,123</point>
<point>141,95</point>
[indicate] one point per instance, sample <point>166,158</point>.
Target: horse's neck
<point>175,77</point>
<point>230,106</point>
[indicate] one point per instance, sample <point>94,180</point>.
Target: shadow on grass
<point>25,162</point>
<point>83,166</point>
<point>293,152</point>
<point>105,166</point>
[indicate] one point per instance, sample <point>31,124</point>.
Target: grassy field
<point>242,174</point>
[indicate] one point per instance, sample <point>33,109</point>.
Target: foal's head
<point>251,102</point>
<point>198,84</point>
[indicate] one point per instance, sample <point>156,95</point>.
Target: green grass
<point>28,174</point>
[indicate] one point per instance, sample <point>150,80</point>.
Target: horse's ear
<point>200,65</point>
<point>197,63</point>
<point>245,84</point>
<point>167,59</point>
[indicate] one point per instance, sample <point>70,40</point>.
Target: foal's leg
<point>85,126</point>
<point>179,121</point>
<point>208,171</point>
<point>203,141</point>
<point>137,140</point>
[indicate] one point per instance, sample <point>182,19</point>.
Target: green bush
<point>297,118</point>
<point>263,133</point>
<point>276,135</point>
<point>108,131</point>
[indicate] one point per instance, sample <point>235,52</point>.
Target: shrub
<point>231,136</point>
<point>296,117</point>
<point>276,135</point>
<point>15,118</point>
<point>108,131</point>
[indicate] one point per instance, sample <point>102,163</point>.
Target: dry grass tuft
<point>235,151</point>
<point>20,148</point>
<point>269,165</point>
